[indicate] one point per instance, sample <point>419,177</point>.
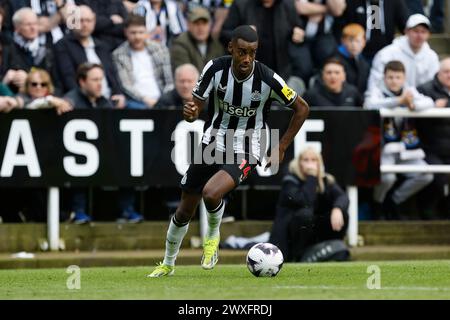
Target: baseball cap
<point>198,13</point>
<point>416,19</point>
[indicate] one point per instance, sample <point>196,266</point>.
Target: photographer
<point>311,208</point>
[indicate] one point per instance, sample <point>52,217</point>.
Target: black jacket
<point>298,194</point>
<point>15,58</point>
<point>356,70</point>
<point>319,96</point>
<point>80,101</point>
<point>170,100</point>
<point>285,19</point>
<point>69,54</point>
<point>395,15</point>
<point>435,132</point>
<point>111,34</point>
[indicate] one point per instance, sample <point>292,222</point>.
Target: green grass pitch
<point>398,280</point>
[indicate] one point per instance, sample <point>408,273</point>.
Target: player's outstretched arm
<point>192,109</point>
<point>301,112</point>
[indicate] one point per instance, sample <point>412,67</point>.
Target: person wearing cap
<point>196,45</point>
<point>412,49</point>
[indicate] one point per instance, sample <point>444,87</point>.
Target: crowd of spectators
<point>144,54</point>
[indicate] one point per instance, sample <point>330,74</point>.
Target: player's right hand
<point>190,111</point>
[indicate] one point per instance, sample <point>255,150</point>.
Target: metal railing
<point>352,191</point>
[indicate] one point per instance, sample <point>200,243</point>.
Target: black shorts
<point>198,175</point>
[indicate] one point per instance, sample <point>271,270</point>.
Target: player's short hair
<point>84,69</point>
<point>394,65</point>
<point>134,20</point>
<point>244,32</point>
<point>353,30</point>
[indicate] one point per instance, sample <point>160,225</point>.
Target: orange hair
<point>353,30</point>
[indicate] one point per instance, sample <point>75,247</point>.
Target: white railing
<point>352,191</point>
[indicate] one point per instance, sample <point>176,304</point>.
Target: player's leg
<point>178,228</point>
<point>220,184</point>
<point>213,192</point>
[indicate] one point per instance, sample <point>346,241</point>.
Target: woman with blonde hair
<point>39,93</point>
<point>311,207</point>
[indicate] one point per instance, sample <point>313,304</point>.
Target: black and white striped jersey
<point>239,106</point>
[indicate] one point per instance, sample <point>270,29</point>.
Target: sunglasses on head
<point>40,84</point>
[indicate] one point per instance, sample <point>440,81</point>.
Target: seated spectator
<point>50,20</point>
<point>110,19</point>
<point>435,136</point>
<point>196,46</point>
<point>89,92</point>
<point>356,67</point>
<point>412,49</point>
<point>164,19</point>
<point>320,42</point>
<point>401,145</point>
<point>436,13</point>
<point>25,51</point>
<point>89,96</point>
<point>79,47</point>
<point>311,207</point>
<point>277,25</point>
<point>332,90</point>
<point>380,19</point>
<point>39,93</point>
<point>186,77</point>
<point>143,66</point>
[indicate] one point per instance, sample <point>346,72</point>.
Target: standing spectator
<point>88,95</point>
<point>26,51</point>
<point>110,18</point>
<point>435,135</point>
<point>143,66</point>
<point>380,19</point>
<point>319,42</point>
<point>357,69</point>
<point>436,13</point>
<point>311,207</point>
<point>412,49</point>
<point>164,19</point>
<point>401,143</point>
<point>186,77</point>
<point>276,23</point>
<point>196,46</point>
<point>332,90</point>
<point>79,47</point>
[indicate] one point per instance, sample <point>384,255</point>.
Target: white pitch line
<point>358,288</point>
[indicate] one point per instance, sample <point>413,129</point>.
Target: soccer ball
<point>264,260</point>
